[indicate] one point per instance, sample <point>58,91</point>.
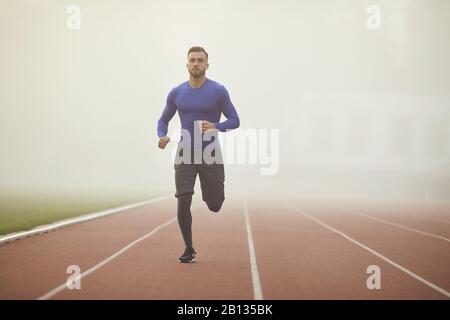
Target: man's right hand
<point>163,141</point>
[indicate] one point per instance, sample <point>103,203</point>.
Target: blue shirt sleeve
<point>227,108</point>
<point>167,114</point>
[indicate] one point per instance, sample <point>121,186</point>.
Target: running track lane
<point>425,256</point>
<point>32,266</point>
<point>410,217</point>
<point>301,259</point>
<point>150,269</point>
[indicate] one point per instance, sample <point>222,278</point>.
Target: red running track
<point>254,248</point>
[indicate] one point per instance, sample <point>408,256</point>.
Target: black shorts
<point>212,178</point>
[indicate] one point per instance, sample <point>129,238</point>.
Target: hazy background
<point>359,111</point>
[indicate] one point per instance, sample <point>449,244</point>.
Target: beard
<point>197,74</point>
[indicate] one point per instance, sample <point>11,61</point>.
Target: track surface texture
<point>299,248</point>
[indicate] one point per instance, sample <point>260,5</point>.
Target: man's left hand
<point>206,125</point>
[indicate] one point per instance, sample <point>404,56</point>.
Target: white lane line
<point>83,218</point>
<point>60,288</point>
<point>412,274</point>
<point>257,291</point>
<point>394,224</point>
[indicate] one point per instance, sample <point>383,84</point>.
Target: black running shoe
<point>188,255</point>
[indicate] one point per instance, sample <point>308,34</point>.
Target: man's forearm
<point>231,123</point>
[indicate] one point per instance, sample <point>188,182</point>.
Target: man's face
<point>197,64</point>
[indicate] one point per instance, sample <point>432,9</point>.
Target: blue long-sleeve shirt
<point>207,102</point>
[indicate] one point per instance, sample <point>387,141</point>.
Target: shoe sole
<point>188,261</point>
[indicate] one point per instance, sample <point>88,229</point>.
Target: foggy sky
<point>79,107</point>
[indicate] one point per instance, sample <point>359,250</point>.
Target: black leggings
<point>185,217</point>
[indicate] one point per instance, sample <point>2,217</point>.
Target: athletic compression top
<point>207,102</point>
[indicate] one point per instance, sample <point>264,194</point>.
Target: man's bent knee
<point>215,207</point>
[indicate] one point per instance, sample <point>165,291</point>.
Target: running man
<point>200,103</point>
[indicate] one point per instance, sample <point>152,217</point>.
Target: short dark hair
<point>198,49</point>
